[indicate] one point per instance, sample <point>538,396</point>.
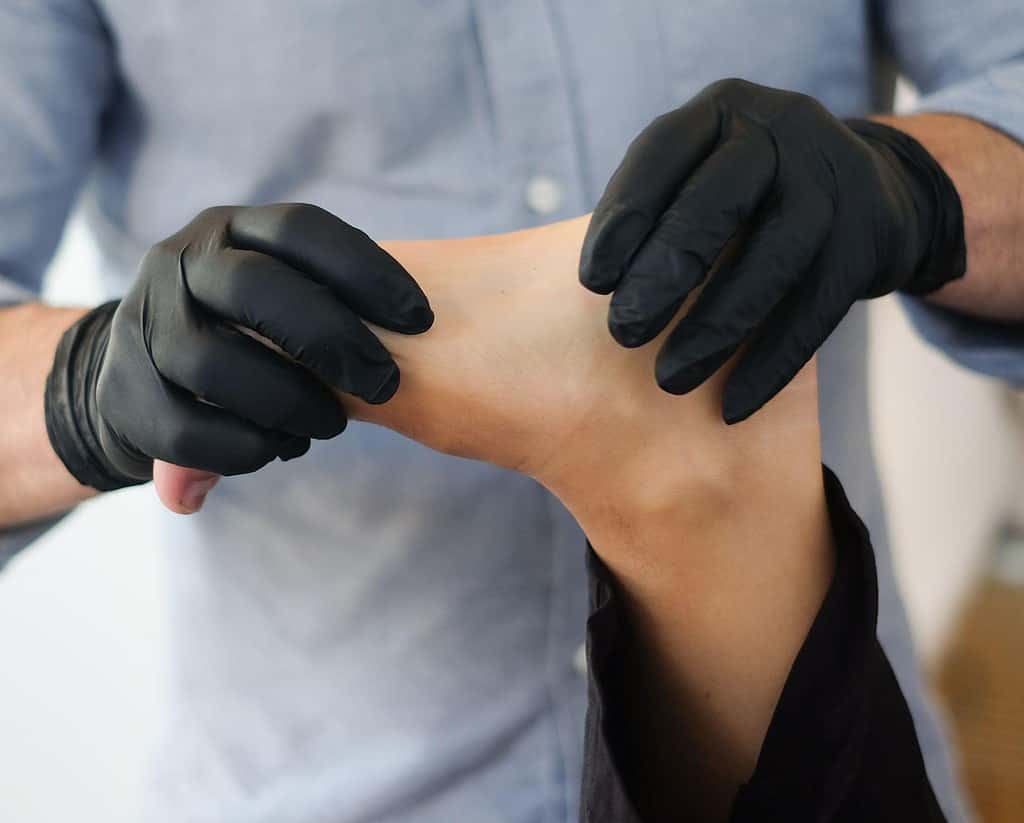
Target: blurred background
<point>82,616</point>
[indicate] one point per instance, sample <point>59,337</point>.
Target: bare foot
<point>519,370</point>
<point>717,535</point>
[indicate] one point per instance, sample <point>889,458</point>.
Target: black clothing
<point>841,746</point>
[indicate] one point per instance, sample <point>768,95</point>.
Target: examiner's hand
<point>164,374</point>
<point>825,213</point>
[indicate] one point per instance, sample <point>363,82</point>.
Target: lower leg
<point>718,536</point>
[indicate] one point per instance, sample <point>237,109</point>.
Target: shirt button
<point>544,194</point>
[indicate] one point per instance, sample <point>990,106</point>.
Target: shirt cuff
<point>14,540</point>
<point>987,347</point>
<point>994,96</point>
<point>12,293</point>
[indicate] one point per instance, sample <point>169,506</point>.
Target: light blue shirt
<point>377,632</point>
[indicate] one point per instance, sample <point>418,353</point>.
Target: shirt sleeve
<point>965,58</point>
<point>56,79</point>
<point>841,746</point>
<point>13,541</point>
<point>984,346</point>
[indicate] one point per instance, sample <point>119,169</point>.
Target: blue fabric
<point>377,632</point>
<point>13,541</point>
<point>966,59</point>
<point>988,348</point>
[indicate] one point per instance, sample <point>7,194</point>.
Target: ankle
<point>672,464</point>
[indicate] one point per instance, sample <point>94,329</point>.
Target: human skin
<point>717,535</point>
<point>986,166</point>
<point>34,483</point>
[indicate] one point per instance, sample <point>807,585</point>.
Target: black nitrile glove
<point>164,374</point>
<point>826,213</point>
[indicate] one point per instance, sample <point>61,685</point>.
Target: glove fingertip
<point>600,278</point>
<point>293,447</point>
<point>626,336</point>
<point>614,235</point>
<point>630,334</point>
<point>677,380</point>
<point>387,388</point>
<point>410,305</point>
<point>333,424</point>
<point>740,398</point>
<point>418,319</point>
<point>736,412</point>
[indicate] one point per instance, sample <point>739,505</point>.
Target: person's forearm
<point>34,483</point>
<point>987,168</point>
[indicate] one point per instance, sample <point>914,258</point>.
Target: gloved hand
<point>165,374</point>
<point>825,213</point>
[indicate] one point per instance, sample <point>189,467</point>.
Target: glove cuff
<point>944,257</point>
<point>69,401</point>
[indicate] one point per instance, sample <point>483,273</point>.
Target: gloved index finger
<point>327,249</point>
<point>655,167</point>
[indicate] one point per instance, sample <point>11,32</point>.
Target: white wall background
<point>82,643</point>
<point>951,456</point>
<point>950,448</point>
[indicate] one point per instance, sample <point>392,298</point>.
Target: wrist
<point>34,484</point>
<point>941,253</point>
<point>70,401</point>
